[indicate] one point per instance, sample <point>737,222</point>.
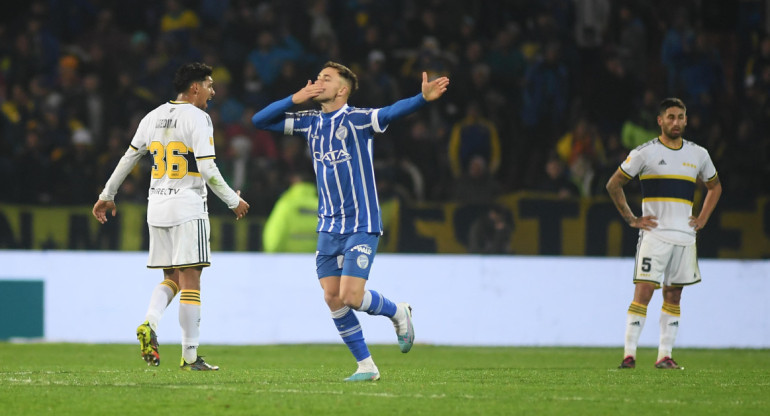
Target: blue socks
<point>376,304</point>
<point>350,331</point>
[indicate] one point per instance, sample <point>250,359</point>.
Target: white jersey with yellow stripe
<point>668,178</point>
<point>177,135</point>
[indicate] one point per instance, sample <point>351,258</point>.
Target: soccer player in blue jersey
<point>349,216</point>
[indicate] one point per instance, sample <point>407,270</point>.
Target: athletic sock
<point>190,321</point>
<point>367,366</point>
<point>350,330</point>
<point>161,296</point>
<point>637,315</point>
<point>669,326</point>
<point>376,304</point>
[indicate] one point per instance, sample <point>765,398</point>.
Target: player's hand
<point>646,223</point>
<point>242,208</point>
<point>101,208</point>
<point>434,89</point>
<point>307,92</point>
<point>697,224</point>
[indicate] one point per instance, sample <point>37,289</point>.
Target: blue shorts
<point>345,254</point>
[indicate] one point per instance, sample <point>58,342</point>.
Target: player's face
<point>673,122</point>
<point>332,84</point>
<point>205,92</point>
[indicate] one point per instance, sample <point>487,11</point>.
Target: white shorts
<point>183,245</point>
<point>666,264</point>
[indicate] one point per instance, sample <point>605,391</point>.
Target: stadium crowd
<point>546,95</point>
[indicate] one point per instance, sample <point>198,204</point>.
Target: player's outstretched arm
<point>430,91</point>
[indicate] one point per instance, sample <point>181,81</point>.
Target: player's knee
<point>351,300</point>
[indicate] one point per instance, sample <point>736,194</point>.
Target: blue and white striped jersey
<point>341,146</point>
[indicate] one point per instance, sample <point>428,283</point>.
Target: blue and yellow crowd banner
<point>538,225</point>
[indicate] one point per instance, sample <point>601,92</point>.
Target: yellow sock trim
<point>671,309</point>
<point>171,285</point>
<point>637,309</point>
<point>191,297</point>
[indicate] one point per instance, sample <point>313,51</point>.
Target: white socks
<point>190,321</point>
<point>669,326</point>
<point>637,315</point>
<point>159,300</point>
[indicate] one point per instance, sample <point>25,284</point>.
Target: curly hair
<point>187,74</point>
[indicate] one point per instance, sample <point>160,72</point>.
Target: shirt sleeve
<point>210,173</point>
<point>202,137</point>
<point>273,117</point>
<point>383,116</point>
<point>708,171</point>
<point>633,164</point>
<point>135,151</point>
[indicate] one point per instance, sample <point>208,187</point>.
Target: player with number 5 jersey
<point>669,169</point>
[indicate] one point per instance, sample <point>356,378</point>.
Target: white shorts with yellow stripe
<point>183,245</point>
<point>662,263</point>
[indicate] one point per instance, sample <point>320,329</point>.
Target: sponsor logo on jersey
<point>341,133</point>
<point>363,248</point>
<point>662,162</point>
<point>164,191</point>
<point>332,157</point>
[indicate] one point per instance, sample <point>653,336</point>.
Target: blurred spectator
<point>642,125</point>
<point>632,42</point>
<point>700,77</point>
<point>34,171</point>
<point>473,136</point>
<point>290,228</point>
<point>679,33</point>
<point>376,85</point>
<point>556,179</point>
<point>178,18</point>
<point>491,232</point>
<point>476,185</point>
<point>582,141</point>
<point>268,57</point>
<point>75,173</point>
<point>532,67</point>
<point>612,102</point>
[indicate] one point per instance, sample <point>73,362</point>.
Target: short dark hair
<point>671,102</point>
<point>346,73</point>
<point>187,74</point>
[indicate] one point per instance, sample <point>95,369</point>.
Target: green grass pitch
<point>85,379</point>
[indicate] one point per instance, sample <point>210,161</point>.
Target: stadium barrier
<point>540,225</point>
<point>256,298</point>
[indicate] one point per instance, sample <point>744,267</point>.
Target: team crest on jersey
<point>362,261</point>
<point>341,133</point>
